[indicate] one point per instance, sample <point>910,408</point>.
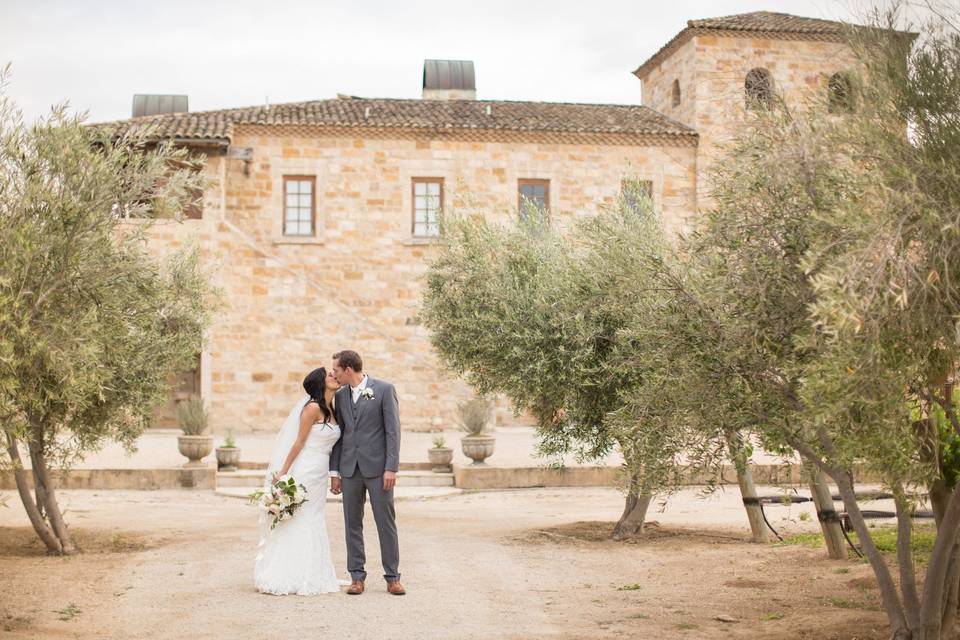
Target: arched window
<point>840,93</point>
<point>758,88</point>
<point>676,93</point>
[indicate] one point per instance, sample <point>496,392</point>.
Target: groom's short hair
<point>349,359</point>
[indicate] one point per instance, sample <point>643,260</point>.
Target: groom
<point>365,460</point>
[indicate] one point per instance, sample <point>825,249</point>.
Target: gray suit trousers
<point>355,489</point>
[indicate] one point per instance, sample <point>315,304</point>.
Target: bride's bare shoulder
<point>310,410</point>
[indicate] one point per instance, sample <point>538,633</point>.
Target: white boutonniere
<point>367,393</point>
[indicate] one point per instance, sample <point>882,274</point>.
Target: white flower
<point>285,478</point>
<point>367,393</point>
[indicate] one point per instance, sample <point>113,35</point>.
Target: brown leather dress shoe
<point>356,588</point>
<point>395,588</point>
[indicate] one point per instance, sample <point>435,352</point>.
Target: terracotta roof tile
<point>769,23</point>
<point>426,115</point>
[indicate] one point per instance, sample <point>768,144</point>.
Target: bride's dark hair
<point>315,384</point>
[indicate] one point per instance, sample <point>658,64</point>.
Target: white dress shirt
<point>357,390</point>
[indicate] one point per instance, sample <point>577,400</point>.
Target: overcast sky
<point>230,53</point>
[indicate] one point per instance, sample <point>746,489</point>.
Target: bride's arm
<point>307,418</point>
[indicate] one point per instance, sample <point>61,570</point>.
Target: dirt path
<point>518,564</point>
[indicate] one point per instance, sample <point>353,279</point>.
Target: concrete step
<point>404,466</point>
<point>253,479</point>
<point>424,479</point>
<point>400,493</point>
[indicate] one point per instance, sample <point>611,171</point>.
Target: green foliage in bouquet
<point>286,495</point>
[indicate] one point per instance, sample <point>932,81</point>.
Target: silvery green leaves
<point>92,323</point>
<point>559,324</point>
<point>831,265</point>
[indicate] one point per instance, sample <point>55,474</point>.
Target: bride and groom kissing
<point>345,431</point>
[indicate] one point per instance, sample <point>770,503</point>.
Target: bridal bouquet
<point>282,500</point>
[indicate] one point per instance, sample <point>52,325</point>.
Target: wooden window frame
<point>313,205</point>
<point>194,210</point>
<point>413,202</point>
<point>522,182</point>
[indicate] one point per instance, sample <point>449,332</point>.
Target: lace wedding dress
<point>294,557</point>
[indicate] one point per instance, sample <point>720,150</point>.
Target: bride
<point>294,557</point>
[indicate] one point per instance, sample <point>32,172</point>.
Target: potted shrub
<point>473,417</point>
<point>228,454</point>
<point>440,456</point>
<point>194,444</point>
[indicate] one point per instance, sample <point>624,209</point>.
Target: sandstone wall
<point>799,69</point>
<point>712,70</point>
<point>291,303</point>
<point>657,86</point>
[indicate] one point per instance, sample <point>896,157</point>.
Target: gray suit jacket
<point>369,431</point>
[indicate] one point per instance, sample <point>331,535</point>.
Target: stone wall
<point>799,69</point>
<point>657,86</point>
<point>712,70</point>
<point>291,303</point>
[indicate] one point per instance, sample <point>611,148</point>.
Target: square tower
<point>703,75</point>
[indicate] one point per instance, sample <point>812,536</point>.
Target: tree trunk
<point>40,495</point>
<point>888,589</point>
<point>829,521</point>
<point>935,585</point>
<point>908,577</point>
<point>33,513</point>
<point>748,491</point>
<point>634,514</point>
<point>952,594</point>
<point>45,488</point>
<point>939,499</point>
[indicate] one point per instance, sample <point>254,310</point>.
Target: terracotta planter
<point>477,448</point>
<point>228,458</point>
<point>440,458</point>
<point>195,448</point>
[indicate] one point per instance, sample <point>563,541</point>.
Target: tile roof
<point>413,114</point>
<point>769,23</point>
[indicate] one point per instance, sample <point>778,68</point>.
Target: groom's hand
<point>335,486</point>
<point>389,480</point>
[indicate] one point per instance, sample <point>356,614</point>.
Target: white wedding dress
<point>294,557</point>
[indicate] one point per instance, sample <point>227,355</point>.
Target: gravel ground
<point>511,564</point>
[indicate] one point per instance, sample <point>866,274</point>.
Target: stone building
<point>319,219</point>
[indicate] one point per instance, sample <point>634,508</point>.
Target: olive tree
<point>829,267</point>
<point>91,323</point>
<point>543,317</point>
